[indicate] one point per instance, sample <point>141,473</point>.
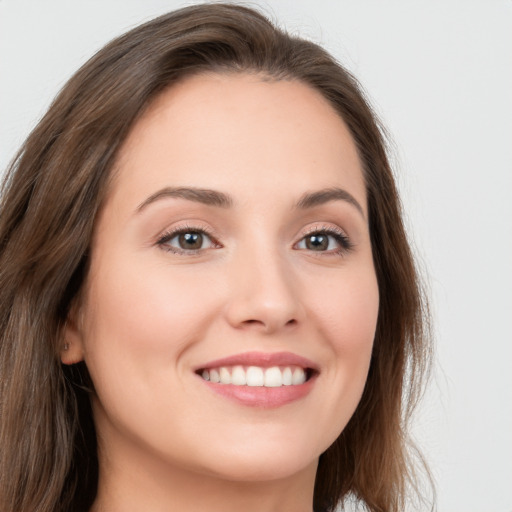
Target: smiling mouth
<point>259,379</point>
<point>257,376</point>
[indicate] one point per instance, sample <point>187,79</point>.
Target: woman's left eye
<point>186,241</point>
<point>325,241</point>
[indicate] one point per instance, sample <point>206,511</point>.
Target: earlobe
<point>71,350</point>
<point>71,353</point>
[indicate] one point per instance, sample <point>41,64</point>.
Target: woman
<point>208,299</point>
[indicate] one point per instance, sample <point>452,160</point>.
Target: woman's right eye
<point>186,241</point>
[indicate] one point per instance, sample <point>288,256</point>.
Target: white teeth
<point>255,376</point>
<point>298,377</point>
<point>287,377</point>
<point>238,377</point>
<point>273,377</point>
<point>225,376</point>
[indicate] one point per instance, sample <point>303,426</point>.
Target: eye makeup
<point>330,240</point>
<point>192,240</point>
<point>188,240</point>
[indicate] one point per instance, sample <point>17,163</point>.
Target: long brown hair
<point>51,197</point>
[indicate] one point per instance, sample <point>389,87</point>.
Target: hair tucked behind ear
<point>51,197</point>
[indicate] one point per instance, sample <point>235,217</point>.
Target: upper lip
<point>262,359</point>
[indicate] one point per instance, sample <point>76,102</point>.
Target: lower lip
<point>260,396</point>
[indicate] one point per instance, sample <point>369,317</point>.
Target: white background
<point>439,73</point>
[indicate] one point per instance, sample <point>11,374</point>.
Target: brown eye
<point>190,240</point>
<point>186,241</point>
<point>317,242</point>
<point>330,241</point>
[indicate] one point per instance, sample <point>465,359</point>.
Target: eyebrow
<point>199,195</point>
<point>312,199</point>
<point>215,198</point>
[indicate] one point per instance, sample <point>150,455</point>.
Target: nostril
<point>268,325</point>
<point>253,324</point>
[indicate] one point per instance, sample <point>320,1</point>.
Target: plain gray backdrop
<point>439,73</point>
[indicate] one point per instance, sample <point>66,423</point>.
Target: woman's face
<point>233,244</point>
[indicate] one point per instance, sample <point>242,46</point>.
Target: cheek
<point>347,314</point>
<point>140,318</point>
<point>348,307</point>
<point>149,309</point>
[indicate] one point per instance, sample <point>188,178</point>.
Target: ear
<point>72,349</point>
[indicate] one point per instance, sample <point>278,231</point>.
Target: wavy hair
<point>52,194</point>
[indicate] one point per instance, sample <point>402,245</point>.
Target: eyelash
<point>345,245</point>
<point>166,237</point>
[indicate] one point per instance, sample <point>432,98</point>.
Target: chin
<point>258,458</point>
<point>258,468</point>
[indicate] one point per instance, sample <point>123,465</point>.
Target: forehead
<point>225,130</point>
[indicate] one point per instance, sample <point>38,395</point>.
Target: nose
<point>263,293</point>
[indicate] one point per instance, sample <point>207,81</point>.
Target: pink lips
<point>263,397</point>
<point>262,359</point>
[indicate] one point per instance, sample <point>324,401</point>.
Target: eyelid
<point>172,232</point>
<point>339,234</point>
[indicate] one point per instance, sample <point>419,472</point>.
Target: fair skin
<point>261,266</point>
